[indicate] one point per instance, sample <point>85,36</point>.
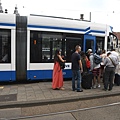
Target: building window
<point>5,46</point>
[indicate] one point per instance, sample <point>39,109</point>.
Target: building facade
<point>114,43</point>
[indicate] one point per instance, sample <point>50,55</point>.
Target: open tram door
<point>89,43</point>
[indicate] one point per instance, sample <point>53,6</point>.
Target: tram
<point>28,43</point>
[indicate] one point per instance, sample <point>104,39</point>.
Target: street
<point>94,109</point>
<point>109,112</point>
<point>105,113</point>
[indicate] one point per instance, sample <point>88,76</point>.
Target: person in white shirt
<point>115,54</point>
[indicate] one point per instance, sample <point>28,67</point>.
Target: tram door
<point>89,43</point>
<point>70,46</point>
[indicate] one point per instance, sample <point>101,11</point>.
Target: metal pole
<point>90,16</point>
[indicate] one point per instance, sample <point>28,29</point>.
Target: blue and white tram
<point>30,43</point>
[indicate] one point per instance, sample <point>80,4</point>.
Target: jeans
<point>108,77</point>
<point>76,75</point>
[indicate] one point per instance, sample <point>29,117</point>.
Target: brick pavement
<point>42,92</point>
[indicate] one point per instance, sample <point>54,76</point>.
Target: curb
<point>19,104</point>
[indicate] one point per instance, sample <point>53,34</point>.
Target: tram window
<point>5,46</point>
<point>43,46</point>
<point>35,47</point>
<point>89,44</point>
<point>50,42</point>
<point>100,43</point>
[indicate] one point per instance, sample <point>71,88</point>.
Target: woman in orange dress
<point>57,81</point>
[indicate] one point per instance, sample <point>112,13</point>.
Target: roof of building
<point>117,34</point>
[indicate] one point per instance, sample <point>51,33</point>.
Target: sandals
<point>1,87</point>
<point>62,88</point>
<point>56,89</point>
<point>59,88</point>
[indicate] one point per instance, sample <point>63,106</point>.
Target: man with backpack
<point>95,61</point>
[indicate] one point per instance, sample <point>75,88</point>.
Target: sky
<point>102,11</point>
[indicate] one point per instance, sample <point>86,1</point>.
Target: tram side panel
<point>7,47</point>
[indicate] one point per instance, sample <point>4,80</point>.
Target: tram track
<point>61,109</point>
<point>63,112</point>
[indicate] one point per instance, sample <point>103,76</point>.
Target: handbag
<point>62,65</point>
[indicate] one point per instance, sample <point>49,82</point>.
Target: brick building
<point>118,36</point>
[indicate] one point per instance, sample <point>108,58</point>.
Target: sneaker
<point>104,89</point>
<point>99,86</point>
<point>74,89</point>
<point>79,90</point>
<point>94,86</point>
<point>109,89</point>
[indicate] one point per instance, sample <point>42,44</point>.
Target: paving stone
<point>21,99</point>
<point>10,113</point>
<point>57,107</point>
<point>10,97</point>
<point>38,92</point>
<point>40,97</point>
<point>30,92</point>
<point>13,92</point>
<point>13,87</point>
<point>22,95</point>
<point>4,93</point>
<point>35,110</point>
<point>21,91</point>
<point>31,98</point>
<point>30,95</point>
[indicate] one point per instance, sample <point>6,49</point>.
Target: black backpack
<point>97,59</point>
